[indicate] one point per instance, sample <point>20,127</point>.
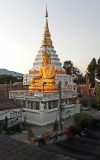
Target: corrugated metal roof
<point>11,149</point>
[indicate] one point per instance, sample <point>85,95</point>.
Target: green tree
<point>80,79</point>
<point>9,79</point>
<point>92,102</point>
<point>68,66</point>
<point>71,70</point>
<point>30,133</point>
<point>5,125</point>
<point>91,69</point>
<point>98,95</point>
<point>82,120</point>
<point>55,126</point>
<point>98,68</point>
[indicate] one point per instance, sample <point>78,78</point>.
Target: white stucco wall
<point>47,116</point>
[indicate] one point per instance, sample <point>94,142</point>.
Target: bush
<point>55,126</point>
<point>24,128</point>
<point>92,102</point>
<point>30,133</point>
<point>82,120</point>
<point>73,130</point>
<point>13,129</point>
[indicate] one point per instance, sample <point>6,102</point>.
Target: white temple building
<point>43,107</point>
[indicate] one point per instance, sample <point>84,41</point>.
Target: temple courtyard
<point>38,131</point>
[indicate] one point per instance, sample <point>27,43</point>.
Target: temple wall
<point>44,117</point>
<point>13,113</point>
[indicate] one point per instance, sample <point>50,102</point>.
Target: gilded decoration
<point>46,36</point>
<point>45,81</point>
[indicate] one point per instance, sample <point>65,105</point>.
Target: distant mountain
<point>7,72</point>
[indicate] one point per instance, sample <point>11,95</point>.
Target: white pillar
<point>42,106</point>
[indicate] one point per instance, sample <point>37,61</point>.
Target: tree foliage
<point>98,95</point>
<point>30,133</point>
<point>82,120</point>
<point>91,69</point>
<point>9,79</point>
<point>55,126</point>
<point>13,129</point>
<point>94,70</point>
<point>71,70</point>
<point>68,66</point>
<point>98,68</point>
<point>92,102</point>
<point>5,125</point>
<point>80,79</point>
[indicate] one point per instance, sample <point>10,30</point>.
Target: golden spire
<point>46,36</point>
<point>46,14</point>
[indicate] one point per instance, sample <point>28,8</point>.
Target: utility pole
<point>60,106</point>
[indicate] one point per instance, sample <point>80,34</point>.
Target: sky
<point>74,26</point>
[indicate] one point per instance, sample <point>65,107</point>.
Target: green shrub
<point>13,129</point>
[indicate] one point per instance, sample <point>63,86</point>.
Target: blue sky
<point>74,26</point>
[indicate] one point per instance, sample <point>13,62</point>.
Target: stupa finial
<point>46,36</point>
<point>46,14</point>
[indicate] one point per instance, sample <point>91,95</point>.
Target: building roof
<point>7,104</point>
<point>86,147</point>
<point>11,149</point>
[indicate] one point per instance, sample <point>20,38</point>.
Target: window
<point>36,105</point>
<point>53,104</point>
<point>31,104</point>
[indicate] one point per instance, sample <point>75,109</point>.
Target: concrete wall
<point>45,117</point>
<point>14,116</point>
<point>11,113</point>
<point>5,88</point>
